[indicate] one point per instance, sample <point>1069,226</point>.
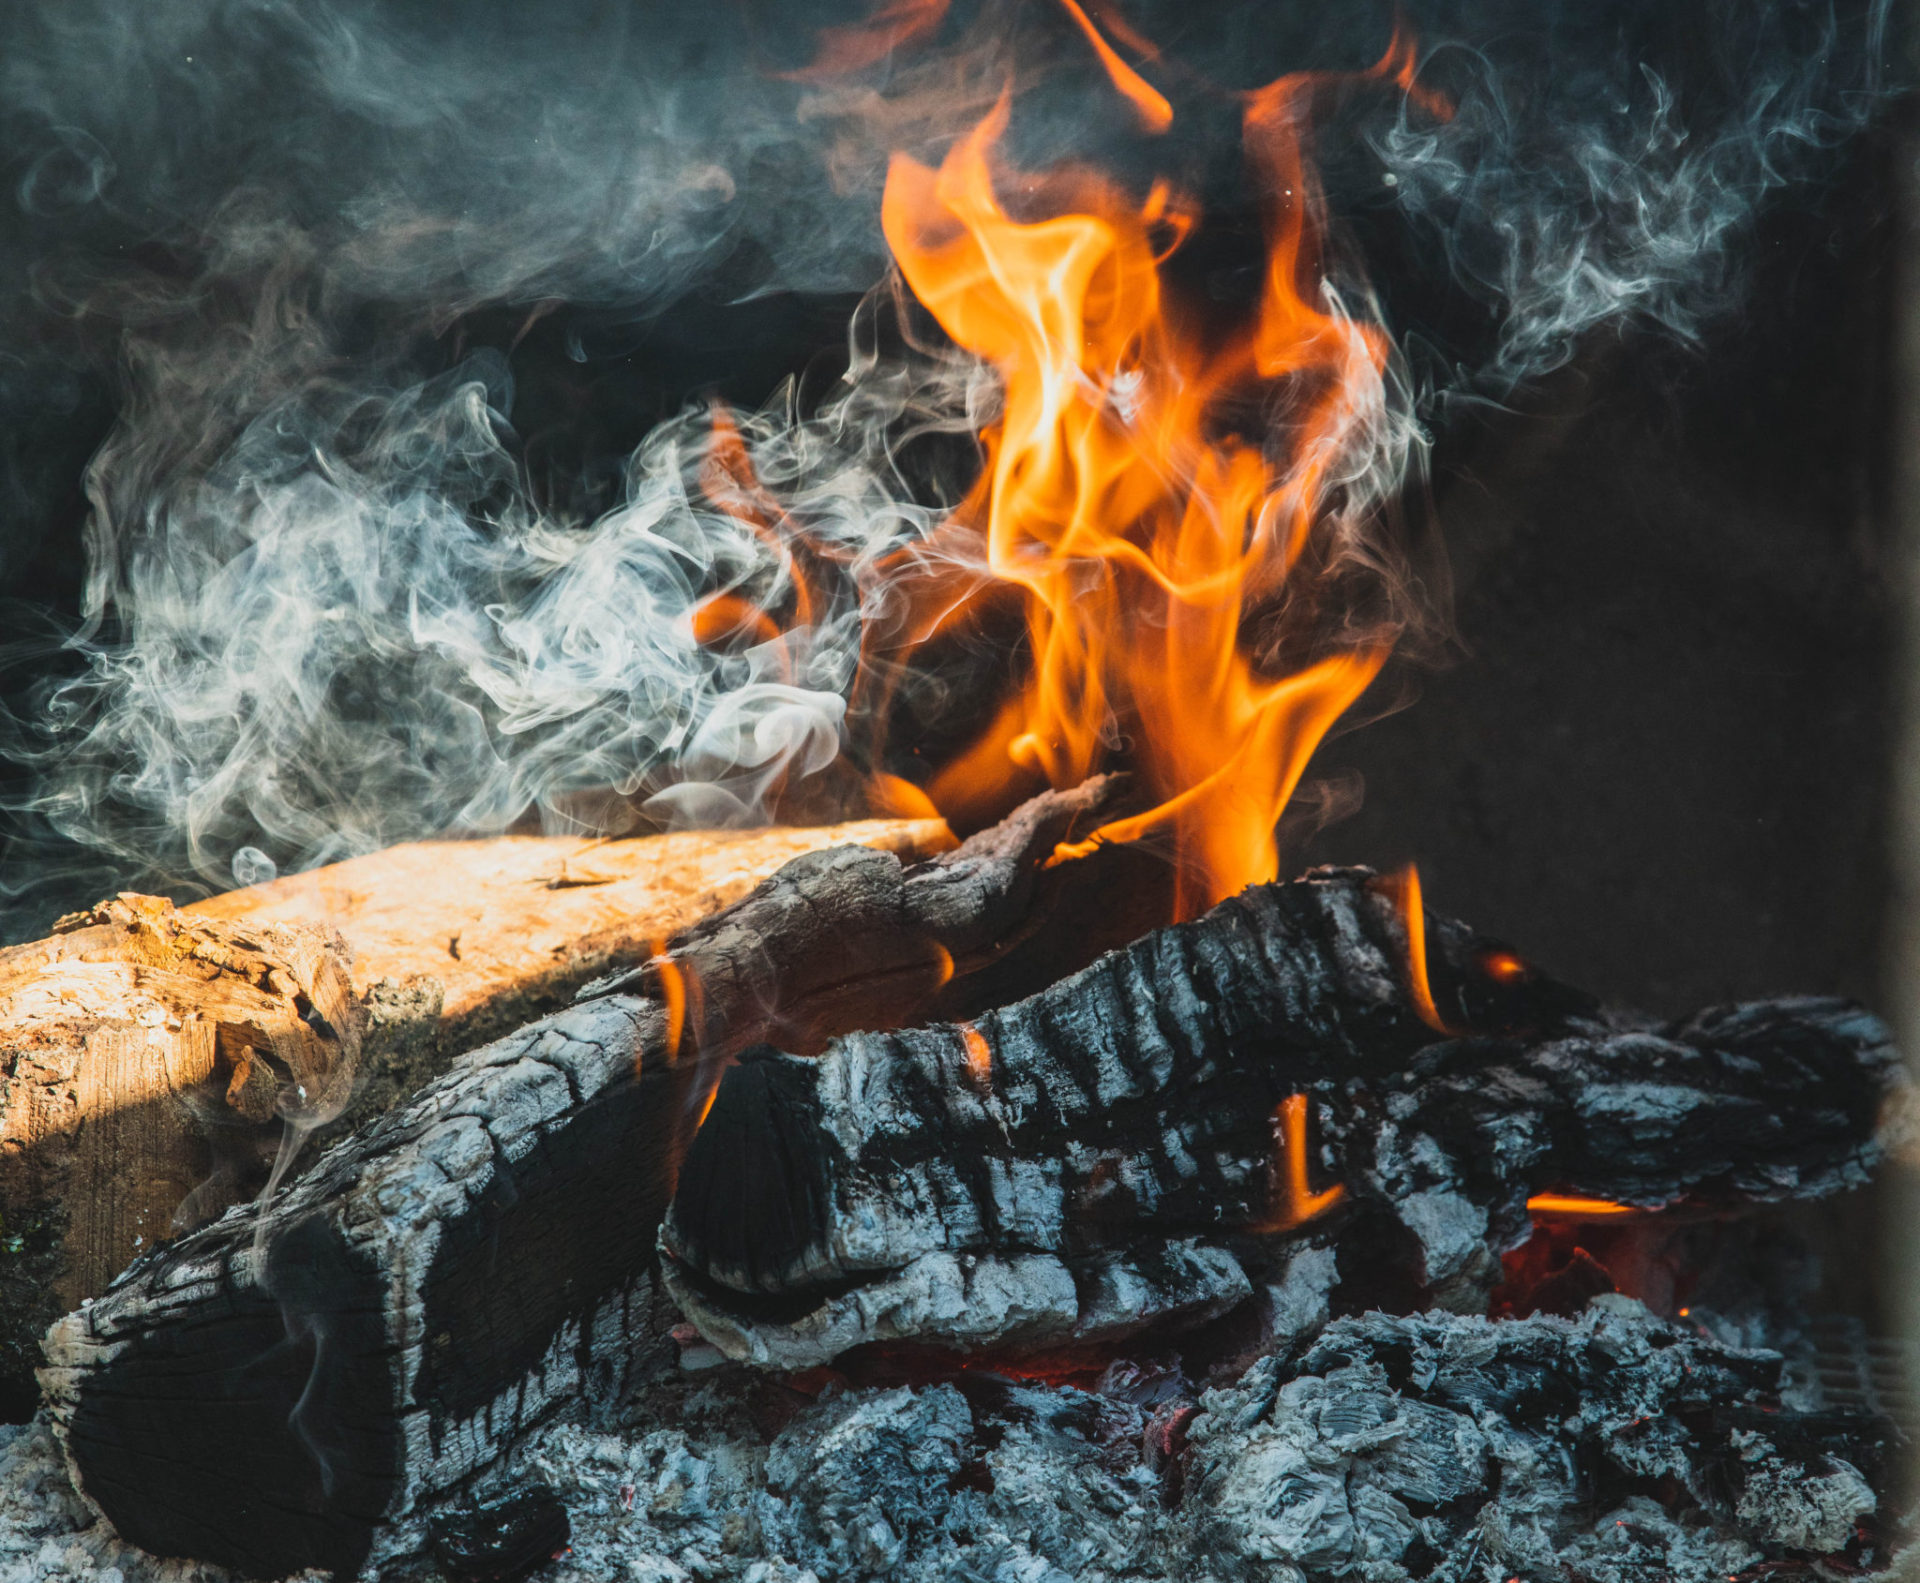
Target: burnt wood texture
<point>1127,1145</point>
<point>310,1384</point>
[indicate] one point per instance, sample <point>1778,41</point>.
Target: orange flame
<point>979,1054</point>
<point>673,995</point>
<point>1403,888</point>
<point>1571,1206</point>
<point>1140,529</point>
<point>1301,1203</point>
<point>1156,115</point>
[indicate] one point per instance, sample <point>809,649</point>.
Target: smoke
<point>1581,184</point>
<point>356,627</point>
<point>329,606</point>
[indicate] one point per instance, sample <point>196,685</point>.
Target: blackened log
<point>303,1386</point>
<point>987,1184</point>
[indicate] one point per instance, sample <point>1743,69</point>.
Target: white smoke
<point>1582,194</point>
<point>358,629</point>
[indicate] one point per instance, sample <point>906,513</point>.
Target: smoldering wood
<point>299,1387</point>
<point>1105,1154</point>
<point>130,1108</point>
<point>457,942</point>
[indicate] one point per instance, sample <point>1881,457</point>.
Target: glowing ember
<point>1503,967</point>
<point>1571,1206</point>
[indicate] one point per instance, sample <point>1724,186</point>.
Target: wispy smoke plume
<point>328,608</point>
<point>1582,184</point>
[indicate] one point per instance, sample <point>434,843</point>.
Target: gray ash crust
<point>1612,1447</point>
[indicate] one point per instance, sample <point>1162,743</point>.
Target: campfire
<point>1039,1173</point>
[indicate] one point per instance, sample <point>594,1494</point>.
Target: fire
<point>1163,533</point>
<point>1140,528</point>
<point>1403,888</point>
<point>1300,1203</point>
<point>1571,1206</point>
<point>979,1055</point>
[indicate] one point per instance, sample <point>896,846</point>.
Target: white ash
<point>1383,1448</point>
<point>981,1301</point>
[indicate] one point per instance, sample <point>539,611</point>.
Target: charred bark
<point>299,1387</point>
<point>1124,1146</point>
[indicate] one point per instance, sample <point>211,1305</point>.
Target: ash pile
<point>1611,1446</point>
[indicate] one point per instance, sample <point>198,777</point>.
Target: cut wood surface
<point>296,1386</point>
<point>523,915</point>
<point>145,1051</point>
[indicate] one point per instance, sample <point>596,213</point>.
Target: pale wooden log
<point>130,1107</point>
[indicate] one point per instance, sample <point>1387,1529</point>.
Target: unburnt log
<point>1151,1137</point>
<point>298,1386</point>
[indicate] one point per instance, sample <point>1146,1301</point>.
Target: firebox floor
<point>1614,1447</point>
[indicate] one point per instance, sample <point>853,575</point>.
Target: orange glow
<point>979,1055</point>
<point>672,979</point>
<point>1572,1206</point>
<point>842,50</point>
<point>1301,1203</point>
<point>943,965</point>
<point>724,615</point>
<point>706,1105</point>
<point>1156,115</point>
<point>1140,528</point>
<point>1503,966</point>
<point>1404,890</point>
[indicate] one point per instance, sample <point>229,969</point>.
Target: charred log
<point>1118,1148</point>
<point>299,1387</point>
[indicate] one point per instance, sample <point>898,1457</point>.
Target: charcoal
<point>977,1185</point>
<point>304,1383</point>
<point>502,1539</point>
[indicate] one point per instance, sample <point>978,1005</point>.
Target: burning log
<point>1136,1144</point>
<point>269,1391</point>
<point>148,1050</point>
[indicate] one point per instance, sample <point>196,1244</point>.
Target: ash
<point>1613,1447</point>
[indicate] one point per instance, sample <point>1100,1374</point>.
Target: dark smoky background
<point>1640,281</point>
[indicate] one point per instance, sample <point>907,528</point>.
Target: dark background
<point>1656,756</point>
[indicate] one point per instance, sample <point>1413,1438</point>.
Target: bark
<point>131,1108</point>
<point>302,1386</point>
<point>1122,1148</point>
